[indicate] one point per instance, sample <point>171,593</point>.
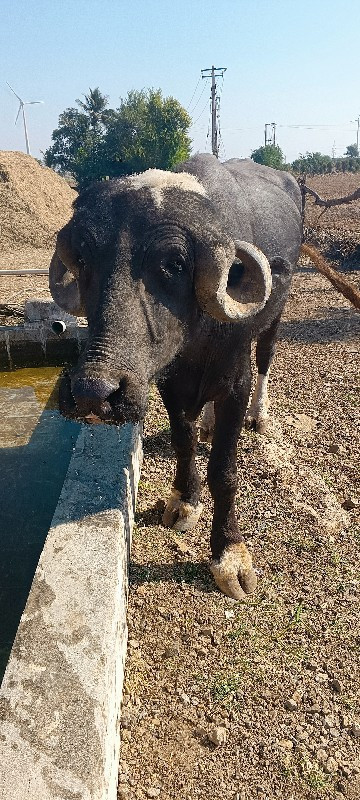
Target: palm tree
<point>95,107</point>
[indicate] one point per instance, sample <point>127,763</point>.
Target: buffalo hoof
<point>233,573</point>
<point>180,515</point>
<point>258,424</point>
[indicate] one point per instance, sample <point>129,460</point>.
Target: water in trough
<point>36,445</point>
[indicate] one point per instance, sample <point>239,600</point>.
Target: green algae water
<point>36,445</point>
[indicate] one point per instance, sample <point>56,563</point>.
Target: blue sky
<point>294,62</point>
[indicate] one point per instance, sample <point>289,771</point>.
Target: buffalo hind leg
<point>258,411</point>
<point>183,507</point>
<point>207,423</point>
<point>231,564</point>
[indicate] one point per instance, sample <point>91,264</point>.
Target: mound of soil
<point>35,202</point>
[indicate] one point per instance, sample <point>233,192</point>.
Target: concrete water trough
<point>48,337</point>
<point>69,496</point>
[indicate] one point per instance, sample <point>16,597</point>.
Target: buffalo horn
<point>211,277</point>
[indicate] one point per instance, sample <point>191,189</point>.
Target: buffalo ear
<point>64,287</point>
<point>63,273</point>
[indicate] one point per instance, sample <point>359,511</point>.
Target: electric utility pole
<point>357,131</point>
<point>213,73</point>
<point>273,125</point>
<point>270,139</point>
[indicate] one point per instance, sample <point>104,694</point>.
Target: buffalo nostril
<point>90,395</point>
<point>93,387</point>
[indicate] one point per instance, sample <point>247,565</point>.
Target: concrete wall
<point>61,693</point>
<point>36,345</point>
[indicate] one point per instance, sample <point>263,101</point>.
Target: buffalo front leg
<point>258,412</point>
<point>183,507</point>
<point>231,563</point>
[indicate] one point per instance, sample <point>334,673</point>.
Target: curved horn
<point>63,285</point>
<point>211,278</point>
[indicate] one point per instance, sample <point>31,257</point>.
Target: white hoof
<point>233,573</point>
<point>180,515</point>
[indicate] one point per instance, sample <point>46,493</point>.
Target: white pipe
<point>22,272</point>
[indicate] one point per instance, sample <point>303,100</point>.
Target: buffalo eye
<point>81,264</point>
<point>84,271</point>
<point>173,266</point>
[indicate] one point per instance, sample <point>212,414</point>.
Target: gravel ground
<point>237,701</point>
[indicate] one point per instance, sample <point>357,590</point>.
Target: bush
<point>313,164</point>
<point>270,155</point>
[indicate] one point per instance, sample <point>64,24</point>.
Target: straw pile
<point>35,202</point>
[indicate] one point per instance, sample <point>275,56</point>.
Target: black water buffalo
<point>177,272</point>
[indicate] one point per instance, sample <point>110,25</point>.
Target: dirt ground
<point>338,217</point>
<point>237,701</point>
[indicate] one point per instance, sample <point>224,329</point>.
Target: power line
<point>198,100</point>
<point>310,126</point>
<point>325,126</point>
<point>193,94</point>
<point>201,113</point>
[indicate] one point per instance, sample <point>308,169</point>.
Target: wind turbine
<point>22,104</point>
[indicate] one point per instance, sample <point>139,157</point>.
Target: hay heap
<point>35,202</point>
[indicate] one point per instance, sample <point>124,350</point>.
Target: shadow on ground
<point>190,572</point>
<point>160,444</point>
<point>338,325</point>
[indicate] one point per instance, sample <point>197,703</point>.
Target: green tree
<point>313,164</point>
<point>347,164</point>
<point>270,155</point>
<point>95,141</point>
<point>77,142</point>
<point>352,150</point>
<point>147,130</point>
<point>94,107</point>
